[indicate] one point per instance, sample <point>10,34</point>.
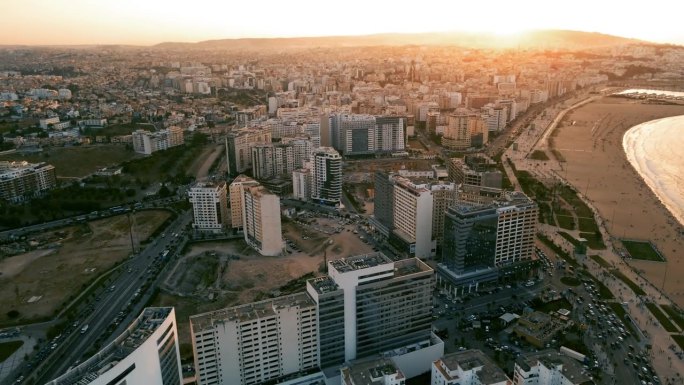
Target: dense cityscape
<point>336,212</point>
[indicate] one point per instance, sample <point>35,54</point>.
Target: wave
<point>654,149</point>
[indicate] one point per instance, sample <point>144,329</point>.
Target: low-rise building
<point>549,367</point>
<point>467,367</point>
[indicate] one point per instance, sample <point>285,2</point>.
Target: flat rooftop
<point>370,372</point>
<point>251,311</point>
<point>359,262</point>
<point>550,358</point>
<point>488,373</point>
<point>323,285</point>
<point>137,333</point>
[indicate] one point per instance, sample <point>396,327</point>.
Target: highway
<point>134,275</point>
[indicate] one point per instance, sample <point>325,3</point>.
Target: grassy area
<point>635,288</point>
<point>602,262</point>
<point>675,314</point>
<point>77,161</point>
<point>594,240</point>
<point>545,215</point>
<point>622,313</point>
<point>642,250</point>
<point>565,218</point>
<point>570,281</point>
<point>539,155</point>
<point>8,348</point>
<point>119,129</point>
<point>679,339</point>
<point>662,318</point>
<point>570,238</point>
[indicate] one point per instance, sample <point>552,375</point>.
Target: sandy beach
<point>598,168</point>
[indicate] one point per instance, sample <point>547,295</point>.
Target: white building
<point>145,353</point>
<point>209,206</point>
<point>22,180</point>
<point>327,176</point>
<point>413,205</point>
<point>261,220</point>
<point>146,142</point>
<point>372,372</point>
<point>257,342</point>
<point>467,367</point>
<point>548,367</point>
<point>301,183</point>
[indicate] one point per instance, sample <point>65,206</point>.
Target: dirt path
<point>204,162</point>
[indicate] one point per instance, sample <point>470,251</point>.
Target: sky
<point>147,22</point>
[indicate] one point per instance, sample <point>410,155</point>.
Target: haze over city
<point>43,22</point>
<point>351,193</point>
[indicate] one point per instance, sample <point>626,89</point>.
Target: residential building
<point>257,342</point>
<point>22,180</point>
<point>457,134</point>
<point>467,367</point>
<point>302,181</point>
<point>390,133</point>
<point>383,210</point>
<point>239,144</point>
<point>48,122</point>
<point>549,367</point>
<point>327,176</point>
<point>271,160</point>
<point>209,206</point>
<point>145,353</point>
<point>444,195</point>
<point>237,198</point>
<point>475,170</point>
<point>146,142</point>
<point>380,371</point>
<point>261,220</point>
<point>412,210</point>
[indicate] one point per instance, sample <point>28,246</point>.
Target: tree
<point>12,314</point>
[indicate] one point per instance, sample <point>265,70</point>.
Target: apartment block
<point>327,176</point>
<point>209,206</point>
<point>22,180</point>
<point>261,220</point>
<point>549,367</point>
<point>146,142</point>
<point>257,342</point>
<point>237,199</point>
<point>475,170</point>
<point>271,160</point>
<point>239,144</point>
<point>145,353</point>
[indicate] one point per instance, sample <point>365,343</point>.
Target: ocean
<point>656,150</point>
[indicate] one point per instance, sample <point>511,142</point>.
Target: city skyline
<point>84,22</point>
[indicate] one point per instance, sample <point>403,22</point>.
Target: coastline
<point>598,167</point>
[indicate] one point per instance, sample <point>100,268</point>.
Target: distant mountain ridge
<point>532,39</point>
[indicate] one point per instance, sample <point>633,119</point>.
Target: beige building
<point>146,142</point>
<point>467,367</point>
<point>261,220</point>
<point>209,206</point>
<point>237,199</point>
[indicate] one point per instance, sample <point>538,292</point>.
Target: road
<point>111,303</point>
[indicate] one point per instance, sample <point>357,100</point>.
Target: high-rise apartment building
<point>457,133</point>
<point>145,353</point>
<point>146,142</point>
<point>257,342</point>
<point>358,134</point>
<point>387,304</point>
<point>22,180</point>
<point>209,206</point>
<point>390,133</point>
<point>475,170</point>
<point>239,144</point>
<point>302,181</point>
<point>237,199</point>
<point>444,195</point>
<point>271,160</point>
<point>302,149</point>
<point>412,217</point>
<point>327,176</point>
<point>261,220</point>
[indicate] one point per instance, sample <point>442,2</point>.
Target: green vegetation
<point>675,314</point>
<point>545,214</point>
<point>642,250</point>
<point>118,129</point>
<point>635,288</point>
<point>679,339</point>
<point>565,218</point>
<point>602,262</point>
<point>594,240</point>
<point>539,155</point>
<point>570,281</point>
<point>295,285</point>
<point>662,318</point>
<point>8,348</point>
<point>570,238</point>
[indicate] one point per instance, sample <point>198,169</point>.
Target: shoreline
<point>598,167</point>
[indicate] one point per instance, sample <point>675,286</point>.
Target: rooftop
<point>137,333</point>
<point>359,262</point>
<point>249,312</point>
<point>323,285</point>
<point>370,372</point>
<point>487,371</point>
<point>571,369</point>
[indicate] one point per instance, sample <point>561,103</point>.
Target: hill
<point>540,39</point>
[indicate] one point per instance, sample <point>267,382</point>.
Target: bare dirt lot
<point>239,275</point>
<point>51,275</point>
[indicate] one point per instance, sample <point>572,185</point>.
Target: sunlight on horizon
<point>155,21</point>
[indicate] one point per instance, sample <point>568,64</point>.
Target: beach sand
<point>598,168</point>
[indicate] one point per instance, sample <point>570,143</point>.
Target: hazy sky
<point>154,21</point>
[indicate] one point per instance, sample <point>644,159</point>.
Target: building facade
<point>239,144</point>
<point>20,181</point>
<point>327,176</point>
<point>261,220</point>
<point>145,353</point>
<point>467,367</point>
<point>146,142</point>
<point>237,199</point>
<point>257,342</point>
<point>209,206</point>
